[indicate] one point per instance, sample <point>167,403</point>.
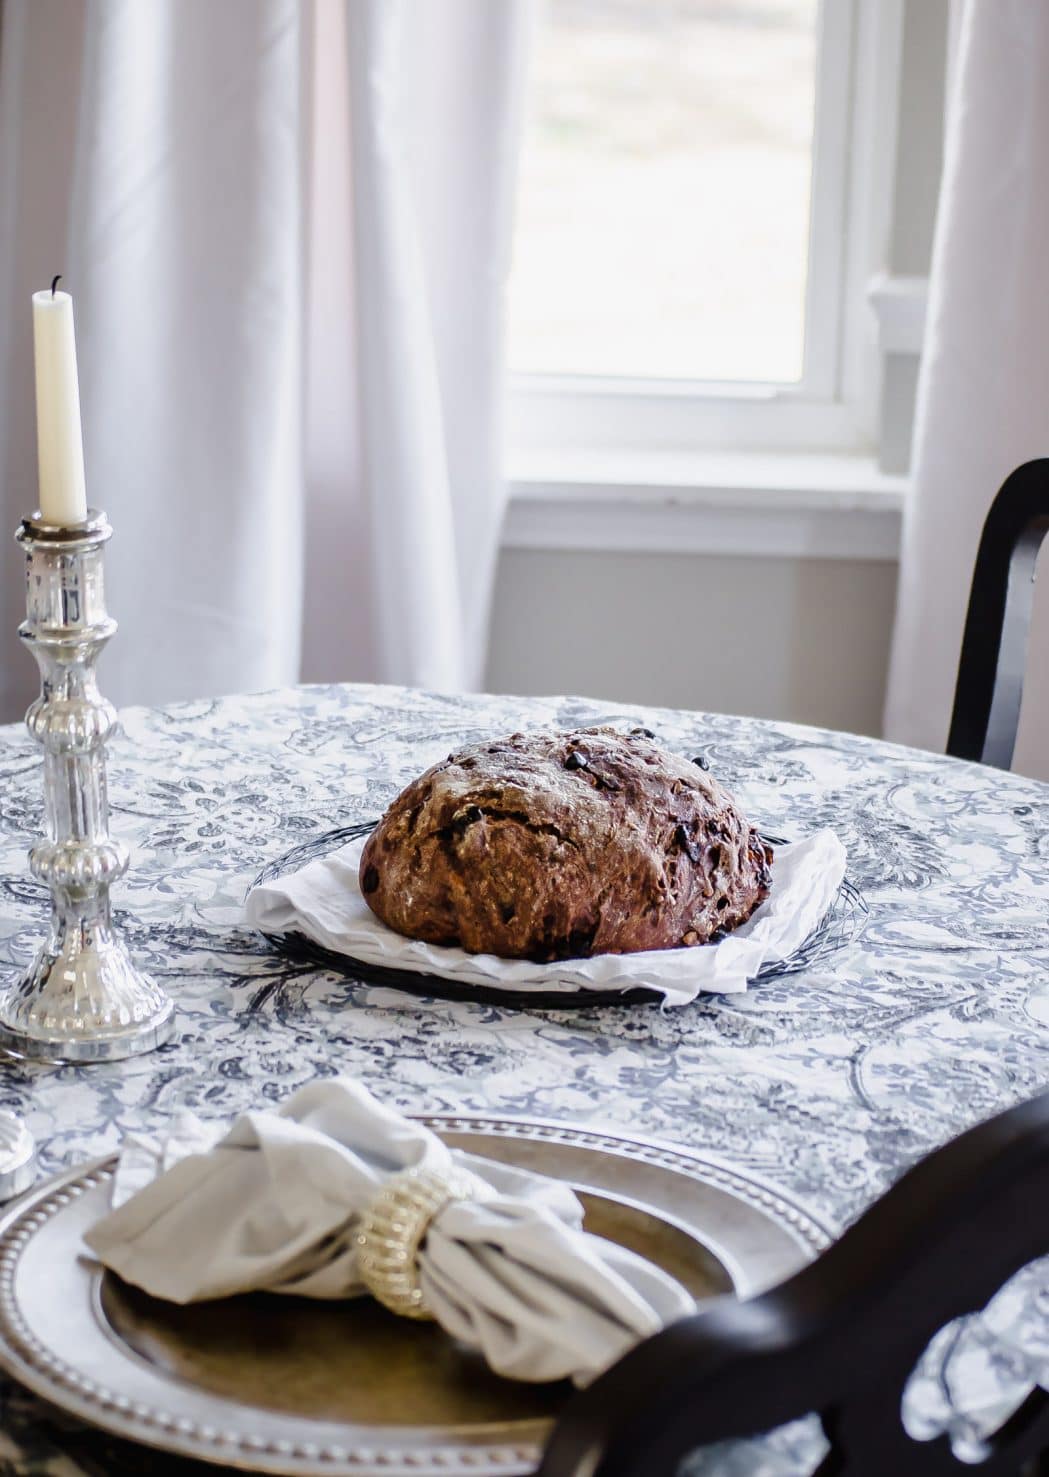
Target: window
<point>664,203</point>
<point>704,194</point>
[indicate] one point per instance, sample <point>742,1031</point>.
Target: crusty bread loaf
<point>560,845</point>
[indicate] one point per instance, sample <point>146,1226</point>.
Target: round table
<point>828,1083</point>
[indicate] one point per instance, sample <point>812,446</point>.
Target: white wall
<point>799,639</point>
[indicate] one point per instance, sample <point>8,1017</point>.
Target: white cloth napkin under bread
<point>273,1204</point>
<point>323,901</point>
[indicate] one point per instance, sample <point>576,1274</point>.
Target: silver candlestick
<point>82,999</point>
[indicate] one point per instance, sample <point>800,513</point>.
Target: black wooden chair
<point>842,1336</point>
<point>994,647</point>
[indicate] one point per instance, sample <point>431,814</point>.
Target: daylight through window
<point>663,218</point>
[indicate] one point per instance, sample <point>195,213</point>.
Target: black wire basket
<point>840,926</point>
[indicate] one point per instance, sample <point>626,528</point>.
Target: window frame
<point>834,405</point>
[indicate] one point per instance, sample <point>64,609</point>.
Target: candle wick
<point>54,283</point>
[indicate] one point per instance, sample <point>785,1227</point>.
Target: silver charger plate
<point>840,926</point>
<point>309,1389</point>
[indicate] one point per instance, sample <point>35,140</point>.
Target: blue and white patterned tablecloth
<point>829,1083</point>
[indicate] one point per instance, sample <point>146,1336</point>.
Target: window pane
<point>662,225</point>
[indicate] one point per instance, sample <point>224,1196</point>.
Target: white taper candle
<point>60,449</point>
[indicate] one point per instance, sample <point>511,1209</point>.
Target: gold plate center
<point>355,1363</point>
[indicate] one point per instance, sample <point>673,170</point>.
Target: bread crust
<point>551,846</point>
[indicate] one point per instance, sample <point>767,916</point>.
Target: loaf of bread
<point>561,845</point>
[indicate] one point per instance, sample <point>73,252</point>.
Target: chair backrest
<point>842,1337</point>
<point>994,647</point>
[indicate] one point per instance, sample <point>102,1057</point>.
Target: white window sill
<point>787,505</point>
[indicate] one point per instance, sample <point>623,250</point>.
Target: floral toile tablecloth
<point>829,1083</point>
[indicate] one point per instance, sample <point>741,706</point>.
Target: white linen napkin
<point>323,901</point>
<point>274,1204</point>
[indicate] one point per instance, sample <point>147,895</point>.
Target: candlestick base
<point>17,1156</point>
<point>83,1000</point>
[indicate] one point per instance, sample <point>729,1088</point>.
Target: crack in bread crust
<point>551,846</point>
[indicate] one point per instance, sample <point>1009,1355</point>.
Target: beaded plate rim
<point>841,926</point>
<point>46,1373</point>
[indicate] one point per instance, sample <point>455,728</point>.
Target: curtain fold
<point>983,403</point>
<point>183,252</point>
<point>40,50</point>
<point>289,340</point>
<point>435,89</point>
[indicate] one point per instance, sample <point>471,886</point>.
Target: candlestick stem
<point>82,999</point>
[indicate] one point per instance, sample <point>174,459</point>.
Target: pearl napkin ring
<point>394,1226</point>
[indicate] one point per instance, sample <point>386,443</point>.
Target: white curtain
<point>286,228</point>
<point>983,403</point>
